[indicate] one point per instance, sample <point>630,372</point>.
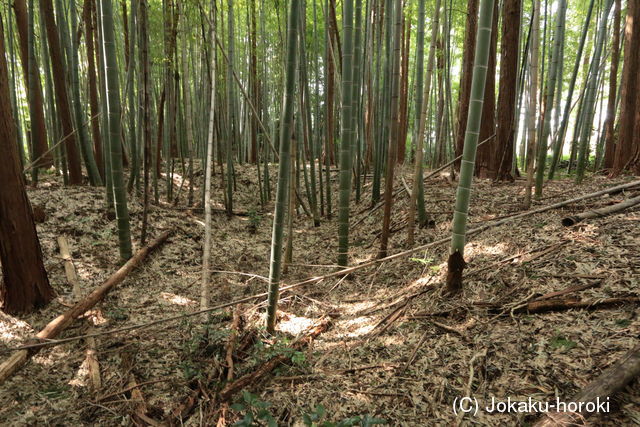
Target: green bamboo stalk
<point>208,165</point>
<point>346,139</point>
<point>79,115</point>
<point>422,118</point>
<point>231,109</point>
<point>590,96</point>
<point>551,88</point>
<point>131,96</point>
<point>14,104</point>
<point>456,262</point>
<point>114,111</point>
<point>282,195</point>
<point>394,129</point>
<point>560,134</point>
<point>532,132</point>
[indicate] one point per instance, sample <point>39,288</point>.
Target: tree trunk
<point>62,99</point>
<point>34,87</point>
<point>88,14</point>
<point>25,284</point>
<point>503,157</point>
<point>609,138</point>
<point>488,123</point>
<point>629,99</point>
<point>465,80</point>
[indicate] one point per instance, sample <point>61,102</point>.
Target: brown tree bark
<point>25,284</point>
<point>62,99</point>
<point>465,80</point>
<point>609,138</point>
<point>38,124</point>
<point>488,126</point>
<point>624,149</point>
<point>404,94</point>
<point>88,13</point>
<point>503,158</point>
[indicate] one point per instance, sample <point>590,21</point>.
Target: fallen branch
<point>232,388</point>
<point>337,273</point>
<point>569,290</point>
<point>597,213</point>
<point>570,304</point>
<point>602,388</point>
<point>59,324</point>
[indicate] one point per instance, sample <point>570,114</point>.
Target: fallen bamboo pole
<point>60,323</point>
<point>342,272</point>
<point>559,304</point>
<point>599,390</point>
<point>597,213</point>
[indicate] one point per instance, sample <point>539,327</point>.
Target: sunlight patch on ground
<point>12,329</point>
<point>358,307</point>
<point>359,326</point>
<point>177,299</point>
<point>294,325</point>
<point>474,249</point>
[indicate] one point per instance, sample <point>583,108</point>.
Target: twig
<point>317,279</point>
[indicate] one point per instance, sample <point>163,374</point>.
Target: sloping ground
<point>397,349</point>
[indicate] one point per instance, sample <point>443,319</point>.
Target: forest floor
<point>397,349</point>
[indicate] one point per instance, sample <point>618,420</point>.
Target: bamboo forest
<point>320,213</point>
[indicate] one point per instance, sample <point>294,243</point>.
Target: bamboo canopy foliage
<point>456,262</point>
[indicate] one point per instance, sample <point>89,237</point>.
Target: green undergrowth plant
<point>254,220</point>
<point>316,419</point>
<point>254,411</point>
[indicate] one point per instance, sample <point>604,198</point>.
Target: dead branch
<point>606,385</point>
<point>59,324</point>
<point>340,273</point>
<point>569,290</point>
<point>243,382</point>
<point>597,213</point>
<point>569,304</point>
